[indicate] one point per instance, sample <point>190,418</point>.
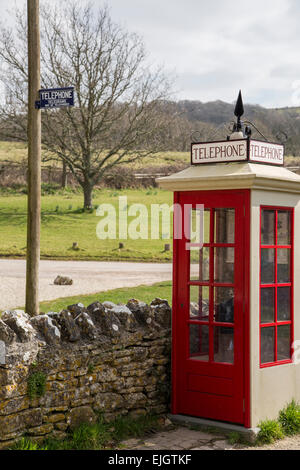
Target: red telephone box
<point>235,325</point>
<point>210,293</point>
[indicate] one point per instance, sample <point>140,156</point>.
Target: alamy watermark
<point>295,99</point>
<point>139,222</point>
<point>296,354</point>
<point>2,353</point>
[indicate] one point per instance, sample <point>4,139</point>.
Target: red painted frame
<point>174,407</point>
<point>276,285</point>
<point>178,308</point>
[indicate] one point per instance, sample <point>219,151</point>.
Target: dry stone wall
<point>60,369</point>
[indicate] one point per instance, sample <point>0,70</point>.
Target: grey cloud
<point>288,71</point>
<point>217,46</point>
<point>266,96</point>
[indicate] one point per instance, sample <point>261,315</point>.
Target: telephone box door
<point>209,306</point>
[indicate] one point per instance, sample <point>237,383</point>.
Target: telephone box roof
<point>232,176</point>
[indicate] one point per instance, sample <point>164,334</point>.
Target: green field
<point>13,151</point>
<point>163,290</point>
<point>64,223</point>
<point>17,152</point>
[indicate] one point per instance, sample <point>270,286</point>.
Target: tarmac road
<point>89,277</point>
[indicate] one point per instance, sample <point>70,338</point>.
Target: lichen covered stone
<point>107,358</point>
<point>48,327</point>
<point>7,335</point>
<point>86,325</point>
<point>19,322</point>
<point>69,329</point>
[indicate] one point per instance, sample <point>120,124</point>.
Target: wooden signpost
<point>34,161</point>
<point>48,98</point>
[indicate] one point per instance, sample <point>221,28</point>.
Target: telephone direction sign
<point>55,98</point>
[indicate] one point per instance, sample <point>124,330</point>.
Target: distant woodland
<point>197,121</point>
<point>186,121</point>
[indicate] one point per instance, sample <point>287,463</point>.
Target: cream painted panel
<point>271,388</point>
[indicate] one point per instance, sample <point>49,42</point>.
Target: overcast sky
<point>216,47</point>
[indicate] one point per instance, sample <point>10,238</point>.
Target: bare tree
<point>119,101</point>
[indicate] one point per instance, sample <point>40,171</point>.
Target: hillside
<point>195,120</point>
<point>219,112</point>
<point>214,112</point>
<point>278,124</point>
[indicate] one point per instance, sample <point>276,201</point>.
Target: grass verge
<point>289,418</point>
<point>98,436</point>
<point>146,294</point>
<point>288,424</point>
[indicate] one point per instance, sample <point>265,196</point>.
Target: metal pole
<point>34,161</point>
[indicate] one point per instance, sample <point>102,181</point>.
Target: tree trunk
<point>64,175</point>
<point>88,196</point>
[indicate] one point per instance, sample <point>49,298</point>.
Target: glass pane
<point>267,345</point>
<point>284,228</point>
<point>267,266</point>
<point>199,265</point>
<point>283,342</point>
<point>199,303</point>
<point>268,227</point>
<point>267,305</point>
<point>283,266</point>
<point>224,265</point>
<point>283,303</point>
<point>206,233</point>
<point>224,345</point>
<point>224,225</point>
<point>224,305</point>
<point>199,342</point>
<point>200,226</point>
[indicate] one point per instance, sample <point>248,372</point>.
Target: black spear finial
<point>239,111</point>
<point>239,107</point>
